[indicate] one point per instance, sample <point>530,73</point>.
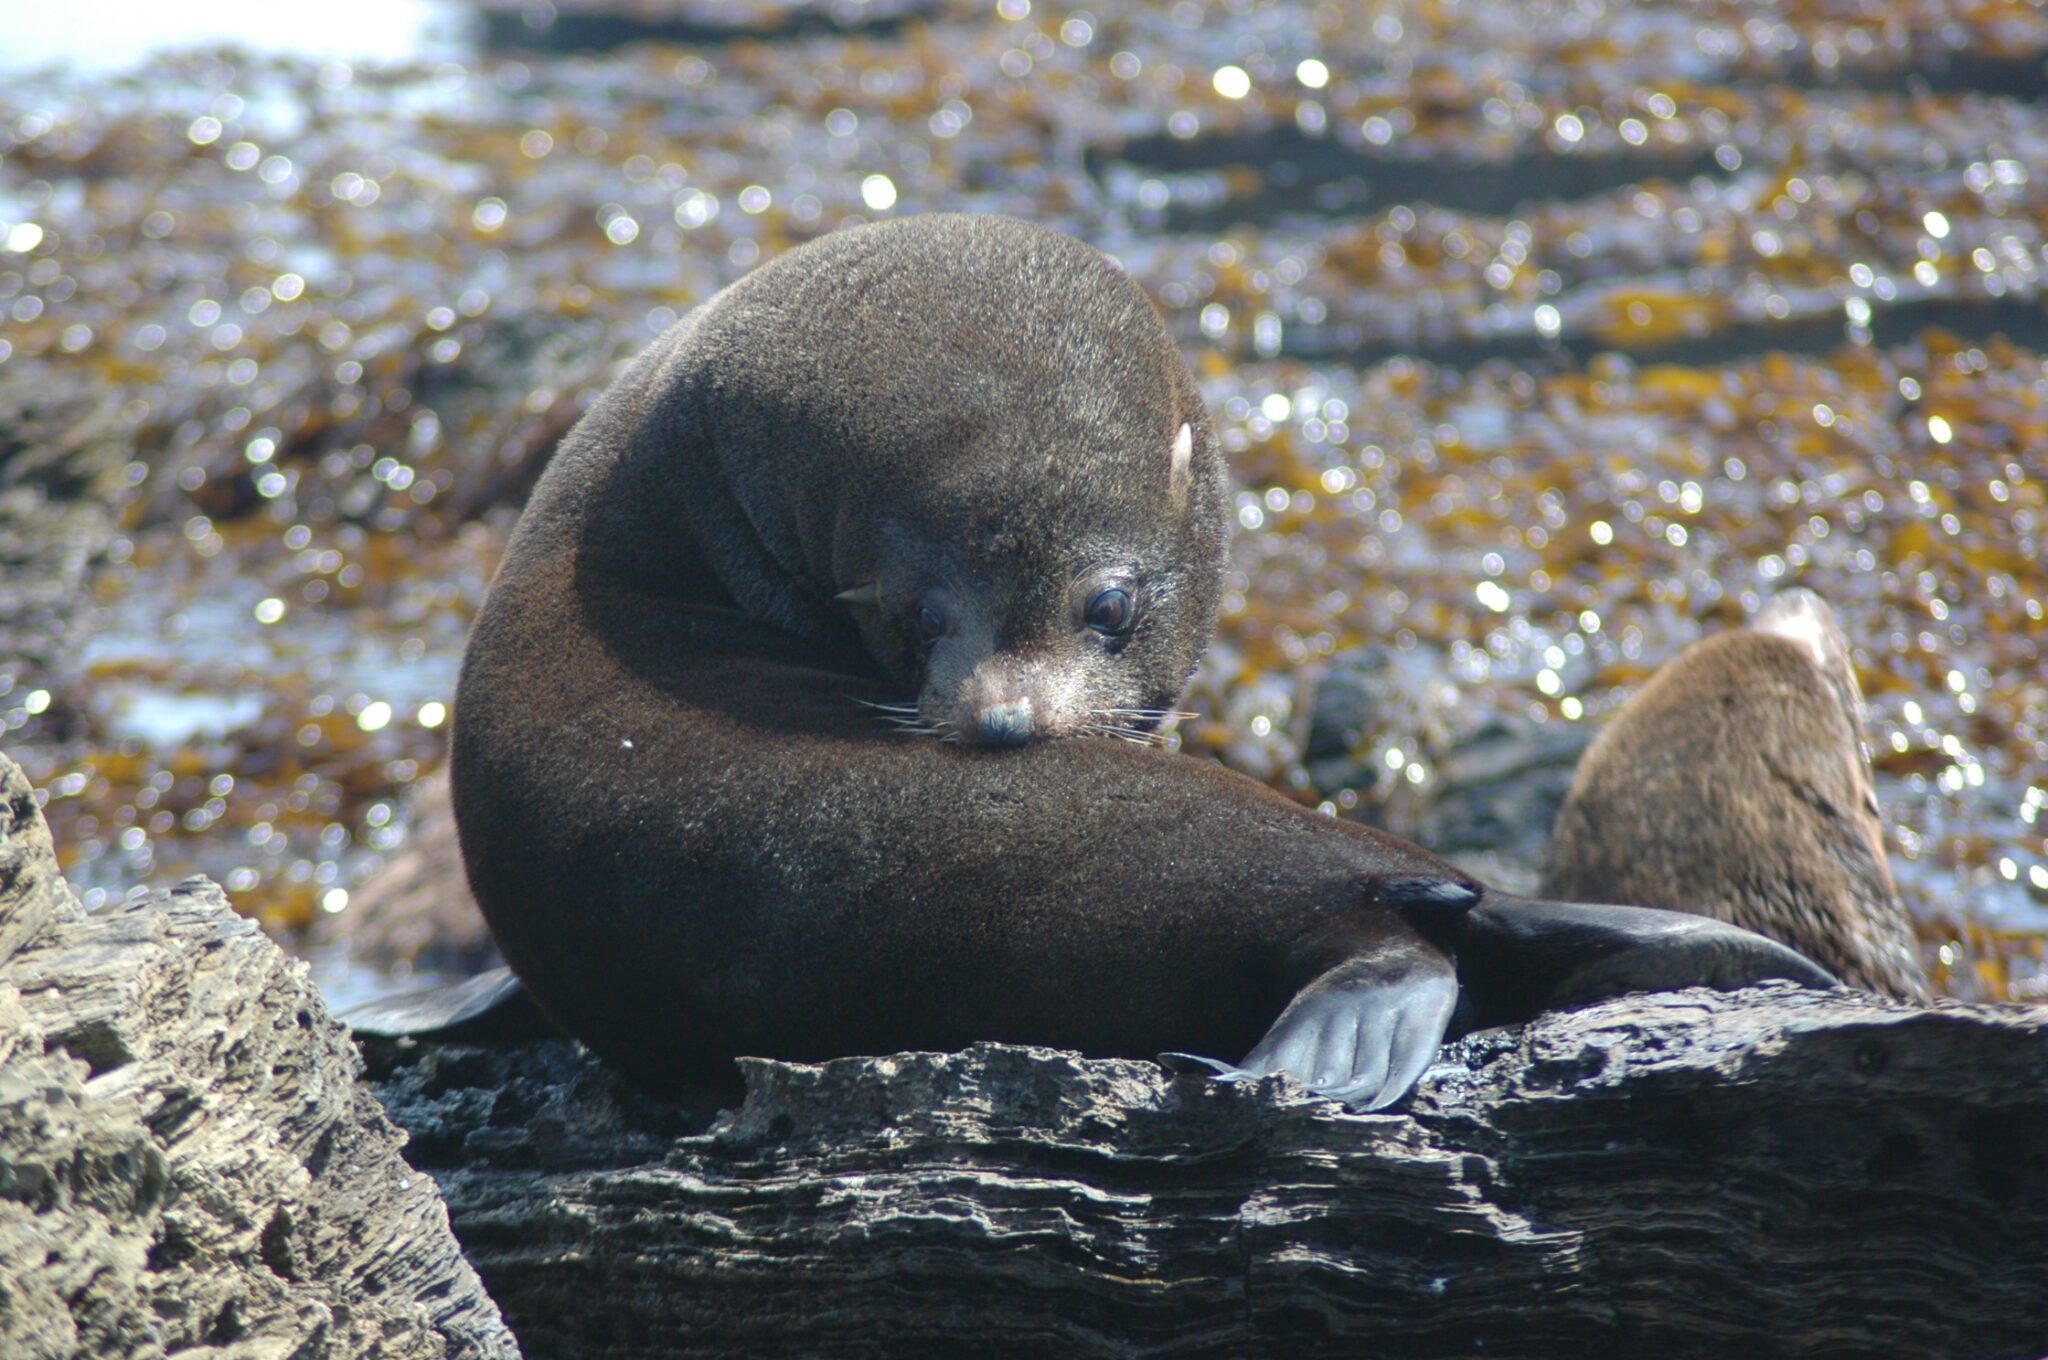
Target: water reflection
<point>106,36</point>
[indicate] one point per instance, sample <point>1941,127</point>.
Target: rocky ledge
<point>189,1161</point>
<point>1774,1172</point>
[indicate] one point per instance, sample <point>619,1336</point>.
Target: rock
<point>1493,789</point>
<point>1492,798</point>
<point>1344,712</point>
<point>601,25</point>
<point>1779,1172</point>
<point>416,909</point>
<point>61,451</point>
<point>189,1162</point>
<point>501,405</point>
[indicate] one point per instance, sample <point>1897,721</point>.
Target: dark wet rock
<point>1777,1171</point>
<point>63,434</point>
<point>62,451</point>
<point>188,1161</point>
<point>601,25</point>
<point>491,416</point>
<point>416,910</point>
<point>1492,798</point>
<point>1344,713</point>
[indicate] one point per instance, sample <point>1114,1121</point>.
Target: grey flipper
<point>1362,1033</point>
<point>1517,956</point>
<point>492,1007</point>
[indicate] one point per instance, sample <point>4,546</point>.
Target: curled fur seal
<point>1736,785</point>
<point>947,471</point>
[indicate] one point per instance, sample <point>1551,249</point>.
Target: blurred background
<point>1545,337</point>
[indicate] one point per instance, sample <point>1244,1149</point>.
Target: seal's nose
<point>1006,724</point>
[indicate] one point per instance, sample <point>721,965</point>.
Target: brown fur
<point>691,840</point>
<point>1735,785</point>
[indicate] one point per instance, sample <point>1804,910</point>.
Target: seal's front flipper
<point>1362,1033</point>
<point>1517,957</point>
<point>492,1007</point>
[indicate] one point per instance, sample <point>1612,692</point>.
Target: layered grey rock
<point>1775,1172</point>
<point>189,1163</point>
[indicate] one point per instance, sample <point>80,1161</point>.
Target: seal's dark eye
<point>1109,611</point>
<point>934,621</point>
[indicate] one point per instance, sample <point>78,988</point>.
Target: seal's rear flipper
<point>1362,1033</point>
<point>1517,956</point>
<point>491,1007</point>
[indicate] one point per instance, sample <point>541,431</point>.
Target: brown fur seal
<point>952,464</point>
<point>1736,785</point>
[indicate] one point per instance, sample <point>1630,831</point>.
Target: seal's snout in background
<point>1735,785</point>
<point>1804,617</point>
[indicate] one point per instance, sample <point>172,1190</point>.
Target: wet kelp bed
<point>1544,338</point>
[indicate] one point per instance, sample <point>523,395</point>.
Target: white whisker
<point>906,719</point>
<point>885,708</point>
<point>1122,732</point>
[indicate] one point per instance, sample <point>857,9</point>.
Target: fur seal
<point>948,471</point>
<point>1736,785</point>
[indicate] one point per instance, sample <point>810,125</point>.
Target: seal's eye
<point>934,620</point>
<point>1109,611</point>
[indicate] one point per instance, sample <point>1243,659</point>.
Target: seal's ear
<point>1183,459</point>
<point>868,596</point>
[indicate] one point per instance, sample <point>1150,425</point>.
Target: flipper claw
<point>1195,1065</point>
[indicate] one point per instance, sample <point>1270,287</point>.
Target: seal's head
<point>1016,497</point>
<point>960,453</point>
<point>1062,589</point>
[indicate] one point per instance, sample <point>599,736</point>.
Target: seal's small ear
<point>867,596</point>
<point>1183,458</point>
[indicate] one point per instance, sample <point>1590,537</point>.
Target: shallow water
<point>1485,298</point>
<point>108,37</point>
